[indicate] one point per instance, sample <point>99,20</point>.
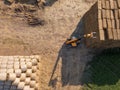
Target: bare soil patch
<point>62,19</point>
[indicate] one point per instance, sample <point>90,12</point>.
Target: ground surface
<point>61,67</point>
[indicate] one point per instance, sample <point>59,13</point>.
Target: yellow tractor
<point>73,41</point>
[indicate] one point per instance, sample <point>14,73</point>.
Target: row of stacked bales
<point>19,72</point>
<point>104,19</point>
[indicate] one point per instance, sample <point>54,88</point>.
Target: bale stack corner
<point>104,19</point>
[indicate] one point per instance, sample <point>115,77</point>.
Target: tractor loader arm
<point>74,41</point>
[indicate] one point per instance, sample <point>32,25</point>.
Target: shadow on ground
<point>7,85</point>
<point>31,2</point>
<point>50,2</point>
<point>73,60</point>
<point>78,68</point>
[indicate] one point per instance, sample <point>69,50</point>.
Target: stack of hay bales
<point>19,72</point>
<point>104,19</point>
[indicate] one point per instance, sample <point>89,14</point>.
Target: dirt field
<point>61,67</point>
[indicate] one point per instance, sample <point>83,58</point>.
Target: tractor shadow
<point>73,61</point>
<point>78,67</point>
